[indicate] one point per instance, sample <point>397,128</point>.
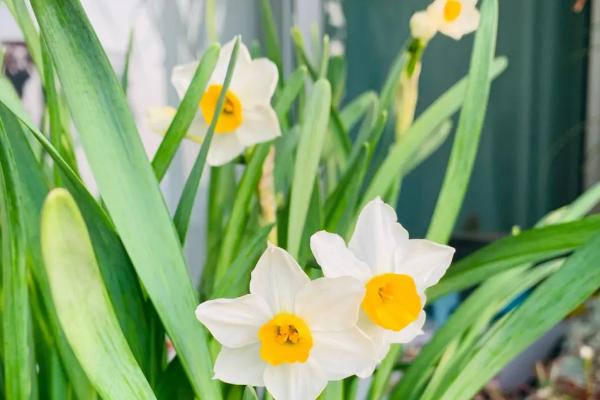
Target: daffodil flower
<point>247,117</point>
<point>289,334</point>
<point>394,270</point>
<point>454,18</point>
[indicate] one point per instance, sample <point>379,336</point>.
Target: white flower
<point>394,270</point>
<point>247,117</point>
<point>289,334</point>
<point>422,26</point>
<point>454,18</point>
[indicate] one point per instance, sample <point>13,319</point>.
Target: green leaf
<point>470,124</point>
<point>249,393</point>
<point>430,145</point>
<point>386,96</point>
<point>183,212</point>
<point>340,134</point>
<point>235,280</point>
<point>577,279</point>
<point>126,181</point>
<point>358,107</point>
<point>173,384</point>
<point>394,165</point>
<point>128,54</point>
<point>290,91</point>
<point>16,318</point>
<point>118,273</point>
<point>237,221</point>
<point>312,137</point>
<point>271,38</point>
<point>534,245</point>
<point>384,371</point>
<point>186,112</point>
<point>83,305</point>
<point>20,12</point>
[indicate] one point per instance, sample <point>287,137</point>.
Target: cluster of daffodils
<point>293,335</point>
<point>454,18</point>
<point>247,117</point>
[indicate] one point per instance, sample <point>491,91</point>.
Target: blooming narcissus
<point>289,334</point>
<point>247,117</point>
<point>394,270</point>
<point>453,18</point>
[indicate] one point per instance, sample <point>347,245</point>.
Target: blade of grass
<point>52,103</point>
<point>470,125</point>
<point>185,113</point>
<point>235,281</point>
<point>534,245</point>
<point>290,91</point>
<point>126,181</point>
<point>16,318</point>
<point>32,191</point>
<point>358,107</point>
<point>183,212</point>
<point>20,13</point>
<point>237,220</point>
<point>128,54</point>
<point>83,305</point>
<point>312,137</point>
<point>425,125</point>
<point>578,279</point>
<point>340,135</point>
<point>270,36</point>
<point>117,271</point>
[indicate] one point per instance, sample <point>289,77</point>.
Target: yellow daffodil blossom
<point>394,270</point>
<point>290,334</point>
<point>454,18</point>
<point>247,117</point>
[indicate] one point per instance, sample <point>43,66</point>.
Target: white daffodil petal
<point>377,235</point>
<point>260,124</point>
<point>330,303</point>
<point>240,366</point>
<point>257,82</point>
<point>277,278</point>
<point>224,148</point>
<point>342,354</point>
<point>234,322</point>
<point>409,333</point>
<point>297,381</point>
<point>336,259</point>
<point>424,260</point>
<point>378,337</point>
<point>242,62</point>
<point>159,118</point>
<point>422,26</point>
<point>182,76</point>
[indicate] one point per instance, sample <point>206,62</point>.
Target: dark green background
<point>530,156</point>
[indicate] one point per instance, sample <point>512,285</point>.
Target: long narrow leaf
<point>470,124</point>
<point>127,182</point>
<point>312,138</point>
<point>16,318</point>
<point>83,305</point>
<point>534,245</point>
<point>186,112</point>
<point>578,279</point>
<point>183,212</point>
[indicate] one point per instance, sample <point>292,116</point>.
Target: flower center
<point>452,10</point>
<point>285,339</point>
<point>391,301</point>
<point>231,115</point>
